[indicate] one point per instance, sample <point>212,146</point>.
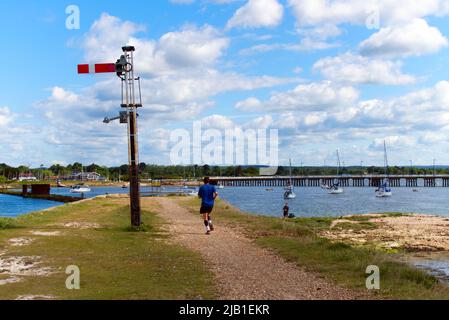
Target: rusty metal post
<point>134,183</point>
<point>130,98</point>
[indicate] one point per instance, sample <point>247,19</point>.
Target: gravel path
<point>243,270</point>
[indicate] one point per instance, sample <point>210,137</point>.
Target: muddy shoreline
<point>416,239</point>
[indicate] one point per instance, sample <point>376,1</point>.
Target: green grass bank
<point>297,240</point>
<point>115,263</point>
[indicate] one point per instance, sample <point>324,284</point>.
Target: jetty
<point>396,181</point>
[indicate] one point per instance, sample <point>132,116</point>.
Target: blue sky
<point>318,71</point>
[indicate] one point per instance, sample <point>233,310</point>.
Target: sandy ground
<point>414,233</point>
<point>243,270</point>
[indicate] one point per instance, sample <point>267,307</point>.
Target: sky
<point>326,75</point>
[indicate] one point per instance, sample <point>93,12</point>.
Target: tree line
<point>150,171</point>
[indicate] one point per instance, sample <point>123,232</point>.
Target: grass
<point>6,223</point>
<point>115,261</point>
<point>297,240</point>
<point>369,217</point>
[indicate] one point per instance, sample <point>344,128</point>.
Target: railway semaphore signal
<point>124,68</point>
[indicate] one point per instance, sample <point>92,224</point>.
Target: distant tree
<point>78,167</point>
<point>206,170</point>
<point>239,171</point>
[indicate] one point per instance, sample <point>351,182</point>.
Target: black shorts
<point>206,209</point>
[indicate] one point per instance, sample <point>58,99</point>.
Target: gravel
<point>243,270</point>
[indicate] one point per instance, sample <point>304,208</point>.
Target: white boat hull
<point>384,194</point>
<point>82,190</point>
<point>290,196</point>
<point>337,191</point>
<point>191,192</point>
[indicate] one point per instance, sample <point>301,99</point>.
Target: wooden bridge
<point>407,181</point>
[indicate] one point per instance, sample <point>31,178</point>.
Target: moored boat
<point>336,188</point>
<point>80,189</point>
<point>290,190</point>
<point>384,191</point>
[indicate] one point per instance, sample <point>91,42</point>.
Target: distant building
<point>27,177</point>
<point>86,176</point>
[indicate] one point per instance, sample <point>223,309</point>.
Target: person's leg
<point>211,225</point>
<point>206,222</point>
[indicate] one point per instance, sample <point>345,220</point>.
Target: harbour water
<point>310,202</point>
<point>316,202</point>
<point>12,206</point>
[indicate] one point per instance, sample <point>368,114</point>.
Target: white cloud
<point>393,142</point>
<point>189,47</point>
<point>106,37</point>
<point>319,12</point>
<point>218,122</point>
<point>404,31</point>
<point>418,119</point>
<point>306,44</point>
<point>192,46</point>
<point>433,138</point>
<point>315,96</point>
<point>315,118</point>
<point>250,104</point>
<point>263,122</point>
<point>5,116</point>
<point>415,38</point>
<point>350,68</point>
<point>257,13</point>
<point>426,109</point>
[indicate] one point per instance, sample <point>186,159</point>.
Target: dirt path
<point>244,270</point>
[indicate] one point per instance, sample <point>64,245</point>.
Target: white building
<point>27,177</point>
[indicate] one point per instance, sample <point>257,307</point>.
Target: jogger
<point>207,194</point>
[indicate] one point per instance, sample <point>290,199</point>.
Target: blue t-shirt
<point>206,193</point>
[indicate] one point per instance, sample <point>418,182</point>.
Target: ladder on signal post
<point>124,68</point>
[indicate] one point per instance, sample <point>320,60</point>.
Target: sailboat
<point>219,185</point>
<point>335,188</point>
<point>324,185</point>
<point>290,193</point>
<point>384,190</point>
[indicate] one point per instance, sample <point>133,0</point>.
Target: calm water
<point>13,206</point>
<point>98,191</point>
<point>317,202</point>
<point>310,201</point>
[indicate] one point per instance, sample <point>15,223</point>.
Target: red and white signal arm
<point>96,68</point>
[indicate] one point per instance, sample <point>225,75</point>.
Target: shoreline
<point>293,243</point>
<point>412,233</point>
